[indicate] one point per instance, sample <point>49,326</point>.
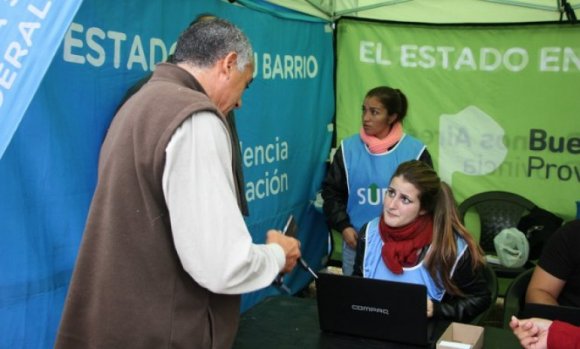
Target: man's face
<point>234,87</point>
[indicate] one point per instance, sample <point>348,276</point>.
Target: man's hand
<point>350,236</point>
<point>291,248</point>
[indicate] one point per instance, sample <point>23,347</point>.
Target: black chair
<point>492,285</point>
<point>497,210</point>
<point>515,296</point>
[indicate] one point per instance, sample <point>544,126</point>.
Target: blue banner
<point>48,172</point>
<point>30,33</point>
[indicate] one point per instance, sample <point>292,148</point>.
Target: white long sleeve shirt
<point>210,235</point>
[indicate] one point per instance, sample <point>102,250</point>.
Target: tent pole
<point>524,4</point>
<point>321,9</point>
<point>369,7</point>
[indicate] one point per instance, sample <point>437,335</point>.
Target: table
<point>292,322</point>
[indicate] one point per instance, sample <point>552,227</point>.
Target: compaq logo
<point>369,309</point>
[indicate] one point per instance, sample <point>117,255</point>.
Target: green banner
<point>497,106</point>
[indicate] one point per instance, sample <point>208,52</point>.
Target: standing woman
<point>419,239</point>
<point>363,164</point>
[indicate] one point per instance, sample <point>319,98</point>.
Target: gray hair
<point>205,42</point>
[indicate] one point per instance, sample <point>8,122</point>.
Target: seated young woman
<point>419,239</point>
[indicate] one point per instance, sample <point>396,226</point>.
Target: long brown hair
<point>436,198</point>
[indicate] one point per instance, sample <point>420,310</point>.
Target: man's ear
<point>230,62</point>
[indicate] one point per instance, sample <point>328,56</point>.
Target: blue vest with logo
<point>368,175</point>
<point>375,268</point>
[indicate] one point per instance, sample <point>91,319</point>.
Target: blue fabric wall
<point>48,172</point>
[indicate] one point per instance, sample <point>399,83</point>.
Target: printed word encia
<point>264,154</point>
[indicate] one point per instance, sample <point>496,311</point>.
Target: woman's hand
<point>349,235</point>
<point>532,333</point>
<point>429,308</point>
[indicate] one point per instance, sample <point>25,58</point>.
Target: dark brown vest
<point>129,289</point>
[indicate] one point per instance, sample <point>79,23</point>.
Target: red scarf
<point>401,245</point>
<point>379,146</point>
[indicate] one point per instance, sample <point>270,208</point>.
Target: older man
<point>166,252</point>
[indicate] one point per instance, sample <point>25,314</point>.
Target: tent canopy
<point>440,11</point>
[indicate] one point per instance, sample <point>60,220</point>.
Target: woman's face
<point>375,118</point>
<point>402,205</point>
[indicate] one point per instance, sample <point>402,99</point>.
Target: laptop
<point>551,312</point>
<point>377,309</point>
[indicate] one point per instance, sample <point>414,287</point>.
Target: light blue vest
<point>369,175</point>
<point>375,268</point>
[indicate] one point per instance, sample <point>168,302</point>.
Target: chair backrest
<point>492,285</point>
<point>515,296</point>
<point>497,210</point>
